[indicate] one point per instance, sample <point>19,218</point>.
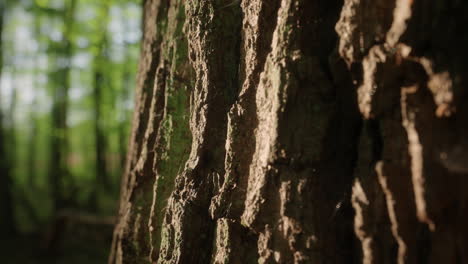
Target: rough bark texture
<point>298,131</point>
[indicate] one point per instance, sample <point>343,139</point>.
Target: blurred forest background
<point>67,75</point>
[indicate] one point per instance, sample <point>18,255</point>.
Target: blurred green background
<point>67,77</point>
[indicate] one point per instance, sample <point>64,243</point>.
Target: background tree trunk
<point>7,222</point>
<point>60,78</point>
<point>102,181</point>
<point>298,131</point>
<point>33,119</point>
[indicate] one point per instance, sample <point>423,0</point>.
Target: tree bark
<point>298,131</point>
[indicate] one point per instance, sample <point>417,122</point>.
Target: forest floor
<point>78,244</point>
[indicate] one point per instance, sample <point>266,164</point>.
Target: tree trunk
<point>298,131</point>
<point>7,222</point>
<point>60,79</point>
<point>100,62</point>
<point>33,116</point>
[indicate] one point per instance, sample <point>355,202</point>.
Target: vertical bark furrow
<point>371,221</point>
<point>396,185</point>
<point>153,28</point>
<point>258,24</point>
<point>256,44</point>
<point>296,162</point>
<point>213,34</point>
<point>131,240</point>
<point>173,137</point>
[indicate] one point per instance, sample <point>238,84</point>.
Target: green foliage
<point>57,49</point>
